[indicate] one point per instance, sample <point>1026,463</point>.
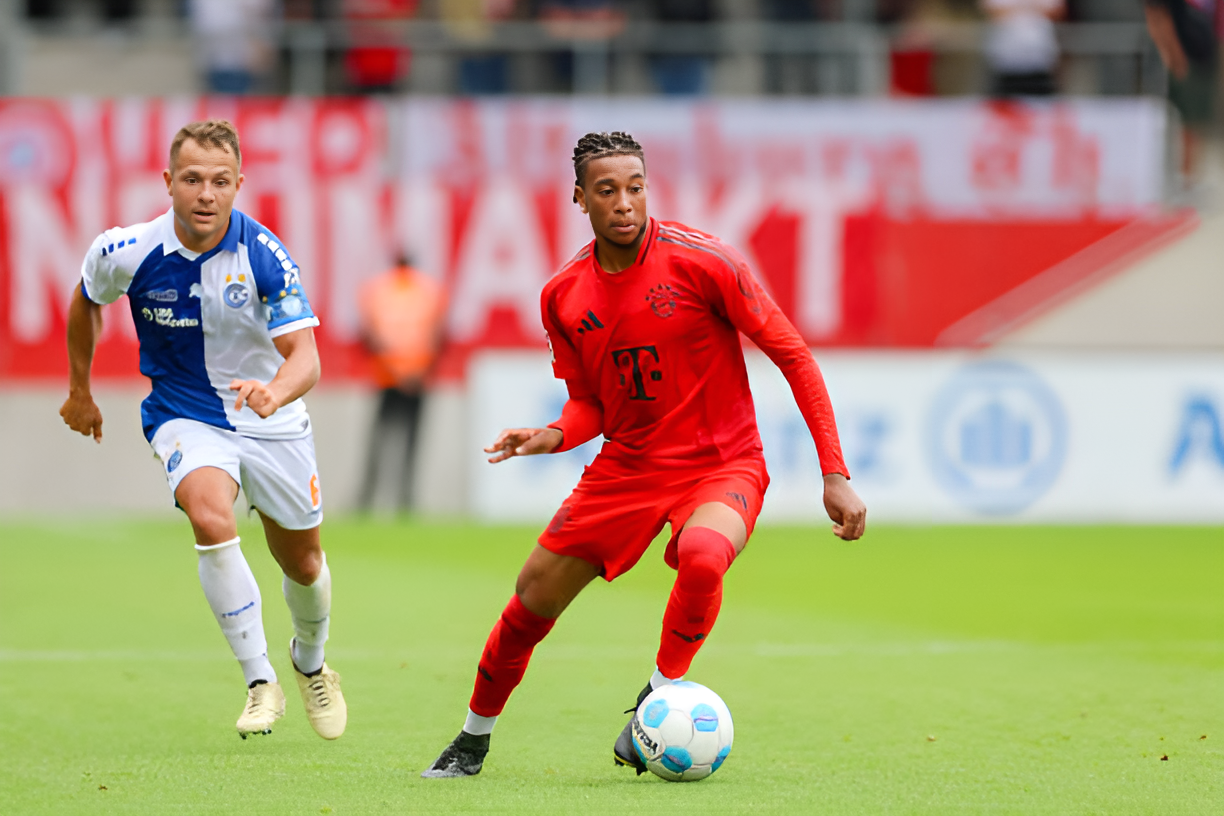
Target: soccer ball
<point>683,732</point>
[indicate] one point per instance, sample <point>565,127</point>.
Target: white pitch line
<point>567,651</point>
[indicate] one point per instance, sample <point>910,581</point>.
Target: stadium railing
<point>849,58</point>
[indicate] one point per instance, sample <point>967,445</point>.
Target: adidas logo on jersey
<point>590,323</point>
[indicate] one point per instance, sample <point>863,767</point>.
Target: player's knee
<point>702,563</point>
<point>304,569</point>
<point>539,594</point>
<point>700,572</point>
<point>212,524</point>
<point>535,595</point>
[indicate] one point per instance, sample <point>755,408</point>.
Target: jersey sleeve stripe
<point>304,323</point>
<point>707,249</point>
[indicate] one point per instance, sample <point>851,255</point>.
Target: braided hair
<point>601,145</point>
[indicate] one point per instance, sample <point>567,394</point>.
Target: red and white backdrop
<point>872,223</point>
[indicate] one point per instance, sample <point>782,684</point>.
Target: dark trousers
<point>1032,83</point>
<point>393,447</point>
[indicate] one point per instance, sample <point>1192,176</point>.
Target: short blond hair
<point>213,133</point>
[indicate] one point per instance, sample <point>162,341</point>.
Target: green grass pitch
<point>922,670</point>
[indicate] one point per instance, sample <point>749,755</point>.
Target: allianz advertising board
<point>931,437</point>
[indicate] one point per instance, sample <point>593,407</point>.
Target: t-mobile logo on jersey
<point>638,360</point>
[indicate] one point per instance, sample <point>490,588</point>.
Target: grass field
<point>930,670</point>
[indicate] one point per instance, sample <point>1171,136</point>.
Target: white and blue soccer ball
<point>683,732</point>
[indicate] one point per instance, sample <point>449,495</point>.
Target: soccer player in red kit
<point>644,325</point>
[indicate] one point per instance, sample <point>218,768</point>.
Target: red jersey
<point>652,357</point>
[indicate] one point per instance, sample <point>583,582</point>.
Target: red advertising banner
<point>873,223</point>
<point>78,167</point>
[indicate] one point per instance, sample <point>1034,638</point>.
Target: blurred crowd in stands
<point>242,48</point>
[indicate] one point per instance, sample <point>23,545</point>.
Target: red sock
<point>704,557</point>
<point>505,658</point>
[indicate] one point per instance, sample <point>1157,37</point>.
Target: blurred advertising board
<point>314,173</point>
<point>930,436</point>
<point>873,223</point>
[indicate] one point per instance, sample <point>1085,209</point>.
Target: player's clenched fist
<point>524,442</point>
<point>843,505</point>
<point>257,395</point>
<point>82,415</point>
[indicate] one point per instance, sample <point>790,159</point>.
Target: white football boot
<point>265,705</point>
<point>324,702</point>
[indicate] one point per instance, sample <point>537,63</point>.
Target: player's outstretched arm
<point>524,442</point>
<point>79,411</point>
<point>297,375</point>
<point>751,310</point>
<point>843,505</point>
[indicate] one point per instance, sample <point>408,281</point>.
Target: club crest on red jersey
<point>662,300</point>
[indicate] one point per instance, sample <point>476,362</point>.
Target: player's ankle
<point>658,679</point>
<point>257,670</point>
<point>478,726</point>
<point>307,658</point>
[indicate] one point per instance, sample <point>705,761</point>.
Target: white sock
<point>310,608</point>
<point>233,596</point>
<point>657,679</point>
<point>478,725</point>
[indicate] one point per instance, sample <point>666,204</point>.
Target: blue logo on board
<point>176,458</point>
<point>996,437</point>
<point>1200,435</point>
<point>236,295</point>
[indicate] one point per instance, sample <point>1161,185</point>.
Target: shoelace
<point>319,688</point>
<point>255,701</point>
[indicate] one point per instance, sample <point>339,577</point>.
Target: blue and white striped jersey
<point>204,319</point>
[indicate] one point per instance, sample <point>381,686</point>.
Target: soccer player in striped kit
<point>227,339</point>
<point>645,325</point>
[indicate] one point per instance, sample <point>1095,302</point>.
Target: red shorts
<point>617,509</point>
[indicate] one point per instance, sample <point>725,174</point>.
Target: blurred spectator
<point>470,20</point>
<point>42,9</point>
<point>571,21</point>
<point>912,52</point>
<point>582,19</point>
<point>378,62</point>
<point>401,320</point>
<point>116,11</point>
<point>232,41</point>
<point>1186,33</point>
<point>307,9</point>
<point>790,73</point>
<point>1021,46</point>
<point>112,11</point>
<point>682,73</point>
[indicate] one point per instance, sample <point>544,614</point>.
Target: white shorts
<point>278,476</point>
